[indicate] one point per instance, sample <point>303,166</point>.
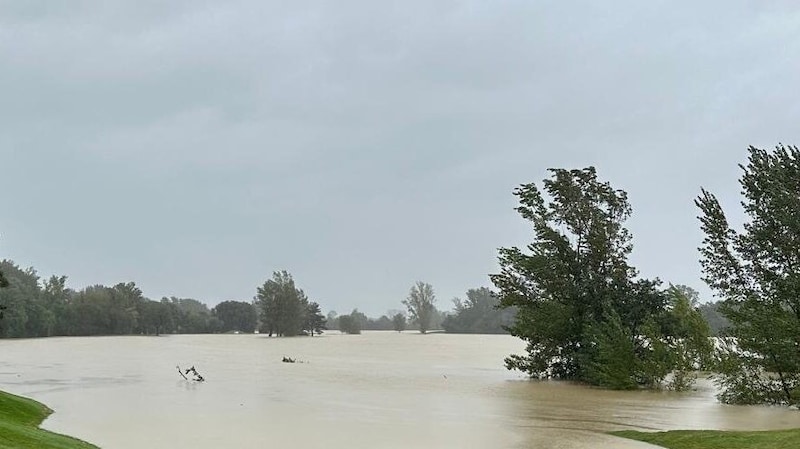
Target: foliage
<point>688,333</point>
<point>192,316</point>
<point>45,308</point>
<point>350,324</point>
<point>236,316</point>
<point>420,304</point>
<point>717,439</point>
<point>19,426</point>
<point>315,320</point>
<point>283,306</point>
<point>612,363</point>
<point>479,314</point>
<point>399,322</point>
<point>580,308</point>
<point>757,272</point>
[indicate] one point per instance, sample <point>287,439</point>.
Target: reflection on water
<point>377,390</point>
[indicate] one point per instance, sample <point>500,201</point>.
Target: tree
<point>282,305</point>
<point>156,317</point>
<point>420,304</point>
<point>350,324</point>
<point>687,336</point>
<point>399,322</point>
<point>315,320</point>
<point>479,314</point>
<point>580,308</point>
<point>191,316</point>
<point>25,314</point>
<point>756,270</point>
<point>236,316</point>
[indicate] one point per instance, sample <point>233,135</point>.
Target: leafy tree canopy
<point>580,306</point>
<point>756,270</point>
<point>283,306</point>
<point>420,305</point>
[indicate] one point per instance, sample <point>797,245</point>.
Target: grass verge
<point>19,426</point>
<point>717,439</point>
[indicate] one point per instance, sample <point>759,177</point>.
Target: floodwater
<point>376,390</point>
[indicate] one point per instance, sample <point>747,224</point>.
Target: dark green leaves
<point>757,272</point>
<point>580,308</point>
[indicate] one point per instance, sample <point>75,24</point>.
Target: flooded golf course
<point>375,390</point>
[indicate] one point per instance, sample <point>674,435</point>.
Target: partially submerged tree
<point>420,304</point>
<point>315,320</point>
<point>756,270</point>
<point>236,316</point>
<point>399,322</point>
<point>283,306</point>
<point>580,307</point>
<point>350,324</point>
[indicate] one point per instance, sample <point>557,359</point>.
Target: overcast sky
<point>195,147</point>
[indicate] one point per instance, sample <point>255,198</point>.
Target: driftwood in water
<point>197,376</point>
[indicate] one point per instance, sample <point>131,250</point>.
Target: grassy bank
<point>19,426</point>
<point>714,439</point>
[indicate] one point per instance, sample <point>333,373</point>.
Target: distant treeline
<point>480,313</point>
<point>35,308</point>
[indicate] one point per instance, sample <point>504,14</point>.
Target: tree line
<point>571,294</point>
<point>43,308</point>
<point>35,307</point>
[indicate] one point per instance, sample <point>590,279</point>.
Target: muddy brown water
<point>375,390</point>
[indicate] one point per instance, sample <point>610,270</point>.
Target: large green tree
<point>350,324</point>
<point>282,305</point>
<point>756,270</point>
<point>580,307</point>
<point>236,316</point>
<point>420,304</point>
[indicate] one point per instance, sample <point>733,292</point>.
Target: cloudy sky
<point>195,147</point>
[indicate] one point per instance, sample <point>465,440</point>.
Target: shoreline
<point>20,421</point>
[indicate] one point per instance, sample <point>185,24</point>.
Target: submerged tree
<point>283,306</point>
<point>236,316</point>
<point>580,308</point>
<point>757,272</point>
<point>315,320</point>
<point>350,324</point>
<point>420,304</point>
<point>399,322</point>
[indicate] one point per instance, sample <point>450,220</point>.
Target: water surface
<point>376,390</point>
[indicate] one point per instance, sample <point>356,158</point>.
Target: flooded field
<point>376,390</point>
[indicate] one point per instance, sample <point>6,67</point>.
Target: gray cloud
<point>195,147</point>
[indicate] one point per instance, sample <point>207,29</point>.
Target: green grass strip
<point>19,426</point>
<point>717,439</point>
